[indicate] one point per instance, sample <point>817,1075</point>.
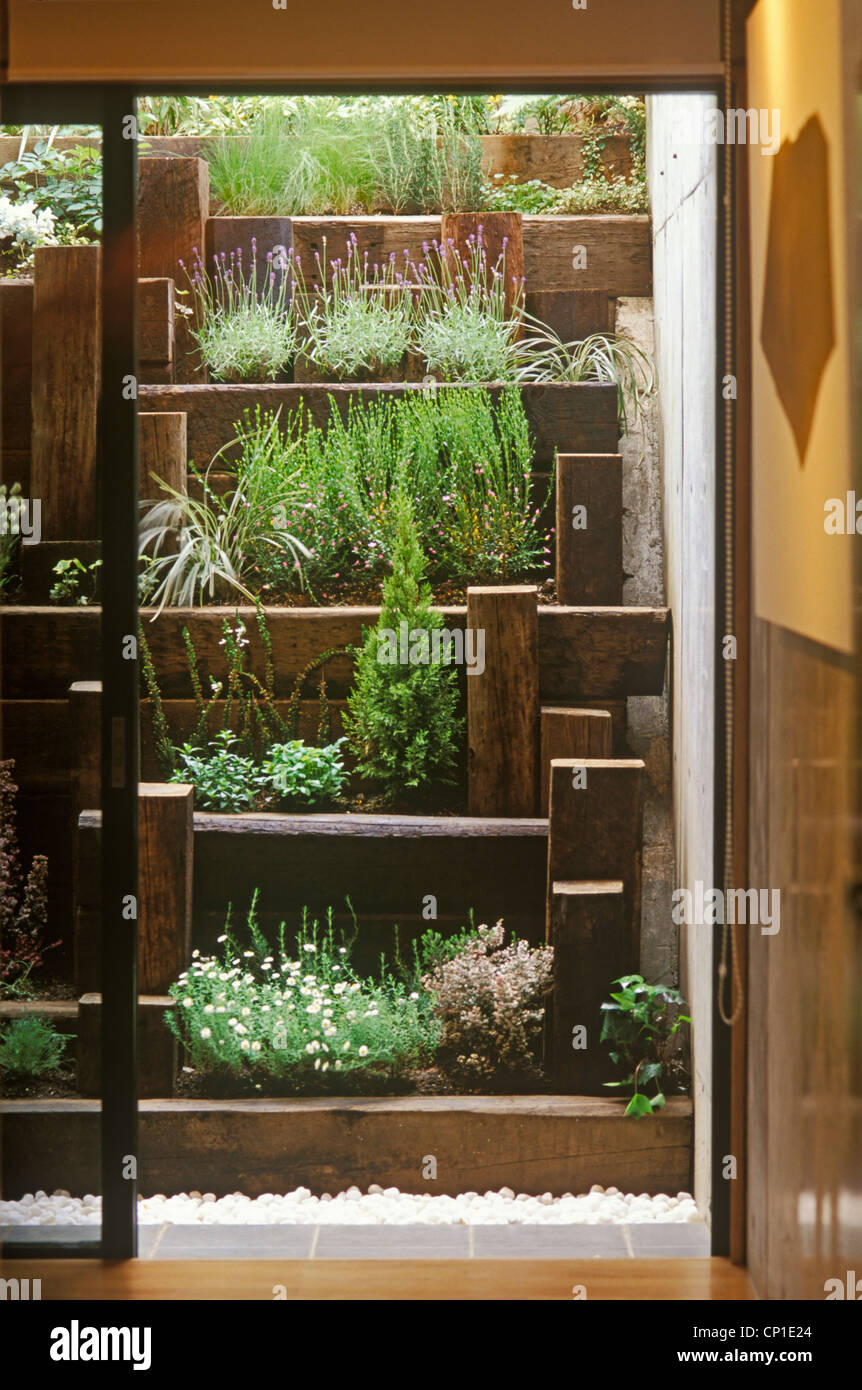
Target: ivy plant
<point>639,1022</point>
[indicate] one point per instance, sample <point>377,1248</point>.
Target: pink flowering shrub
<point>490,999</point>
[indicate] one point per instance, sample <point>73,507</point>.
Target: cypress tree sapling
<point>401,719</point>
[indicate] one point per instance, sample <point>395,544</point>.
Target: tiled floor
<point>689,1240</point>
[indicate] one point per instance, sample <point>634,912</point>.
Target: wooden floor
<point>395,1280</point>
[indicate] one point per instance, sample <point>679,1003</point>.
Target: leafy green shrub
<point>602,195</point>
<point>31,1047</point>
<point>531,197</point>
<point>489,998</point>
<point>249,713</point>
<point>66,183</point>
<point>640,1022</point>
<point>298,771</point>
<point>223,778</point>
<point>243,320</point>
<point>401,719</point>
<point>76,581</point>
<point>304,1021</point>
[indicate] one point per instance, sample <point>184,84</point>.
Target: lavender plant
<point>360,320</point>
<point>243,319</point>
<point>468,325</point>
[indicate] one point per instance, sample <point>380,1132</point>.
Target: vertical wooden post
<point>227,235</point>
<point>589,530</point>
<point>497,228</point>
<point>85,709</point>
<point>571,733</point>
<point>118,440</point>
<point>85,718</point>
<point>16,377</point>
<point>157,1047</point>
<point>163,453</point>
<point>594,830</point>
<point>157,329</point>
<point>65,389</point>
<point>173,205</point>
<point>166,831</point>
<point>588,933</point>
<point>503,701</point>
<point>572,314</point>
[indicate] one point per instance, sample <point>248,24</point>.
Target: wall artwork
<point>804,514</point>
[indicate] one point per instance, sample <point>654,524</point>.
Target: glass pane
<point>306,355</point>
<point>50,353</point>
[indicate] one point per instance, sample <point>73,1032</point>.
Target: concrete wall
<point>648,717</point>
<point>683,190</point>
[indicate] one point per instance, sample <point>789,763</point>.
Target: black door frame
<point>113,106</point>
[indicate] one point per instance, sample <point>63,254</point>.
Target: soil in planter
<point>429,1081</point>
<point>365,593</point>
<point>436,801</point>
<point>56,1085</point>
<point>57,987</point>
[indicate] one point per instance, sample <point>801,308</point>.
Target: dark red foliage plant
<point>23,899</point>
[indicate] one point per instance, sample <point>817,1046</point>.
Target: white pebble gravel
<point>351,1208</point>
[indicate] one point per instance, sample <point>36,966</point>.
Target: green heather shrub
<point>463,460</point>
<point>401,719</point>
<point>490,1000</point>
<point>303,1020</point>
<point>31,1047</point>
